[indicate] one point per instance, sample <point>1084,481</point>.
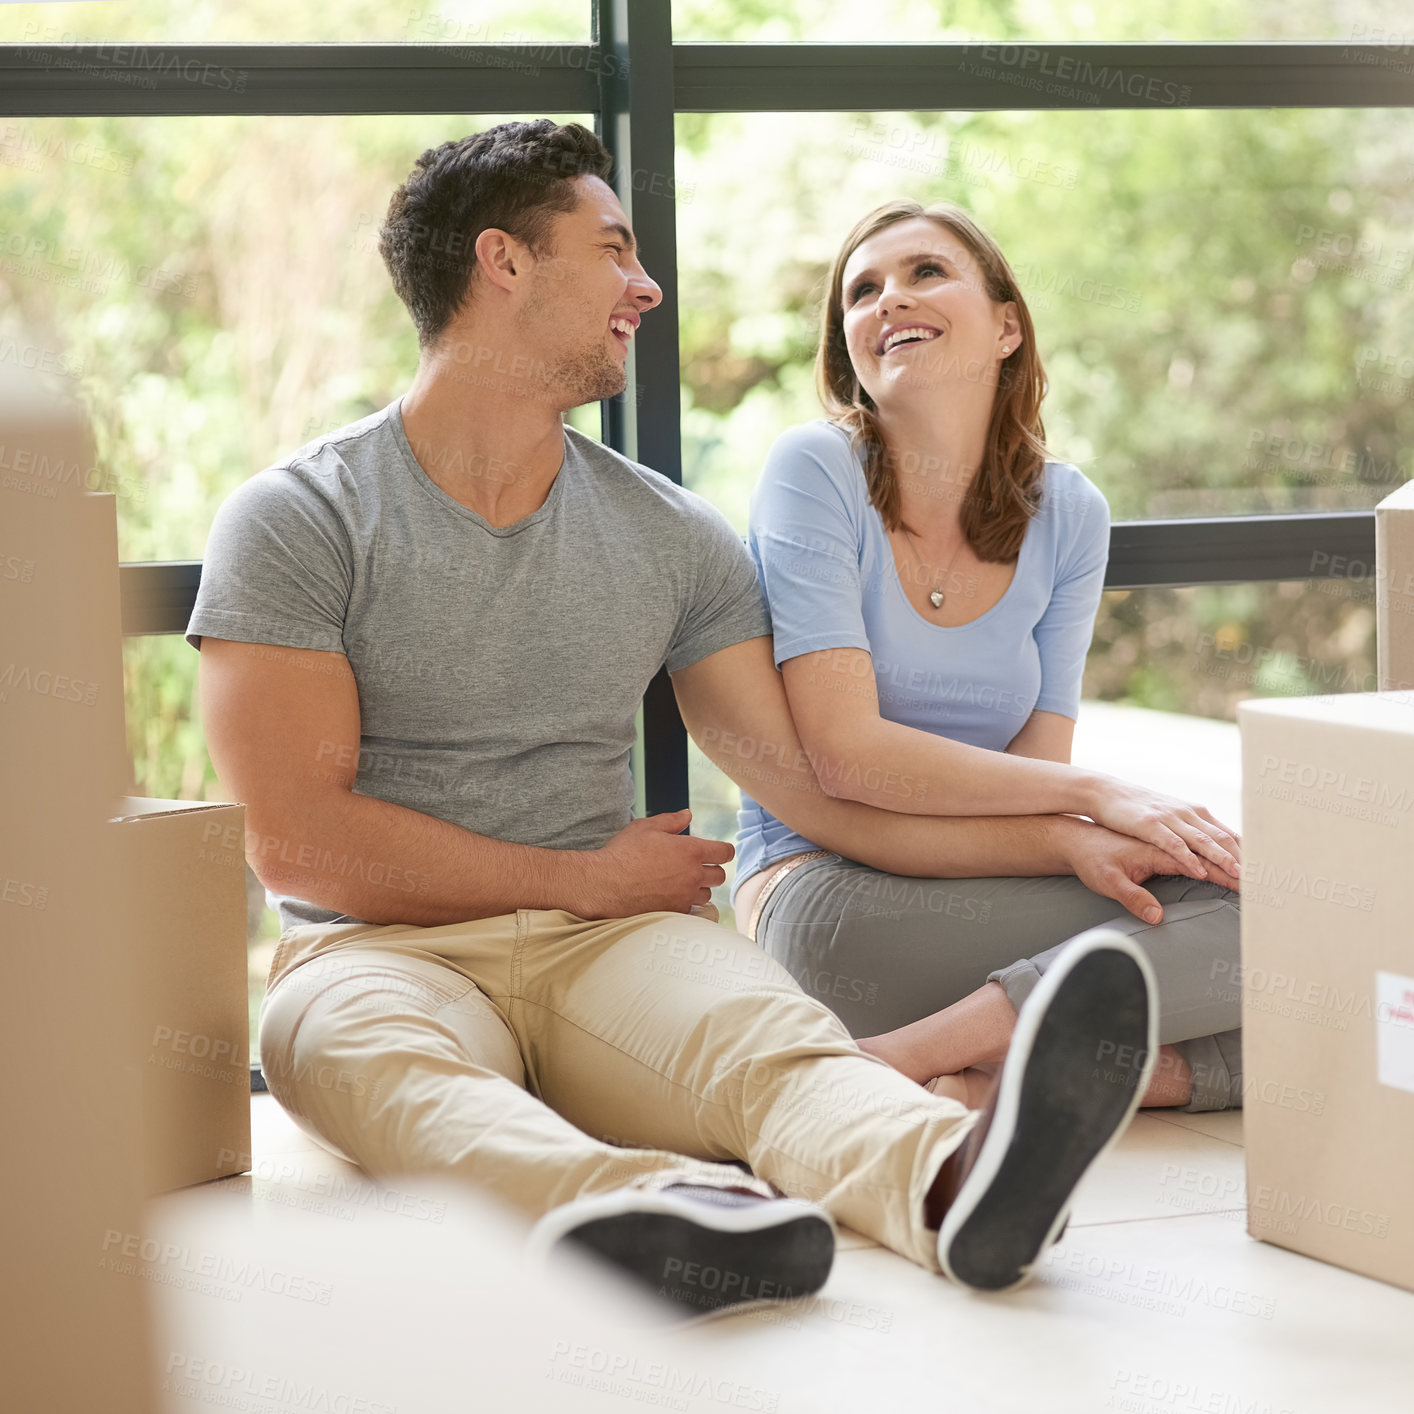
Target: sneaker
<point>1079,1063</point>
<point>700,1245</point>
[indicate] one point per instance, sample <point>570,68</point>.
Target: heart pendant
<point>936,598</point>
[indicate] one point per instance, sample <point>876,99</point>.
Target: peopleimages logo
<point>1259,875</point>
<point>133,63</point>
<point>1030,64</point>
<point>235,1387</point>
<point>176,1264</point>
<point>1342,783</point>
<point>1277,1205</point>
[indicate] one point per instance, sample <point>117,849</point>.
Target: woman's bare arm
<point>859,755</point>
<point>1047,736</point>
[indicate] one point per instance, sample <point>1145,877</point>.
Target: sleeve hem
<point>793,648</point>
<point>711,643</point>
<point>240,628</point>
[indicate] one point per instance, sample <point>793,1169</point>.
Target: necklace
<point>936,596</point>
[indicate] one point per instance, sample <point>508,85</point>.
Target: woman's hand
<point>1116,865</point>
<point>1181,830</point>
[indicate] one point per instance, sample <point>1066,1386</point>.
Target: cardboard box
<point>77,1334</point>
<point>61,673</point>
<point>186,861</point>
<point>1394,588</point>
<point>1327,977</point>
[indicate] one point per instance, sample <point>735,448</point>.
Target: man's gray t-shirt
<point>499,668</point>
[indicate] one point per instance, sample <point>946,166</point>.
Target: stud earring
<point>1005,350</point>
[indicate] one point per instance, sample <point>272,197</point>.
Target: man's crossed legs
<point>545,1059</point>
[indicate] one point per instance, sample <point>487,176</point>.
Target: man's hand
<point>1116,865</point>
<point>650,865</point>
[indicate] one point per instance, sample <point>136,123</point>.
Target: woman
<point>933,581</point>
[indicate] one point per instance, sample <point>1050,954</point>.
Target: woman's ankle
<point>973,1031</point>
<point>903,1059</point>
<point>1171,1083</point>
<point>971,1087</point>
<point>952,1087</point>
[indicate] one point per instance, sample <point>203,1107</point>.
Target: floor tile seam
<point>1155,1217</point>
<point>1188,1129</point>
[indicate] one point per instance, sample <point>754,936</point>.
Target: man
<point>423,640</point>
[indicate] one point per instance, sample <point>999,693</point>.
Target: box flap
<point>134,807</point>
<point>1400,500</point>
<point>1371,711</point>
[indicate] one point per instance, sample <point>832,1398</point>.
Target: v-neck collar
<point>542,512</point>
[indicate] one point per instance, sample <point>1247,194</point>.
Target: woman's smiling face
<point>917,312</point>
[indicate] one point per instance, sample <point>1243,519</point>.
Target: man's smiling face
<point>586,298</point>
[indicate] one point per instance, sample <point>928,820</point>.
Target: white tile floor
<point>1155,1302</point>
<point>332,1293</point>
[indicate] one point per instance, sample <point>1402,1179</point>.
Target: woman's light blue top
<point>828,572</point>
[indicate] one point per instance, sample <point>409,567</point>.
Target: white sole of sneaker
<point>1057,1115</point>
<point>695,1253</point>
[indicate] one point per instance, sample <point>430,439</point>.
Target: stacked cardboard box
<point>1327,977</point>
<point>76,1333</point>
<point>122,947</point>
<point>1327,970</point>
<point>187,862</point>
<point>1394,588</point>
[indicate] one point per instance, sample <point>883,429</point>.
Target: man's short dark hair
<point>514,177</point>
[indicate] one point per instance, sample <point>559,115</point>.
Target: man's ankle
<point>958,1164</point>
<point>939,1197</point>
<point>905,1059</point>
<point>950,1175</point>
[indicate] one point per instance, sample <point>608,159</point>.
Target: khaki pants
<point>541,1056</point>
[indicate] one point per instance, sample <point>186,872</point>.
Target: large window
<point>210,290</point>
<point>1221,299</point>
<point>1221,273</point>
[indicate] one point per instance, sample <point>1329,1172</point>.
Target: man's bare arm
<point>734,706</point>
<point>283,729</point>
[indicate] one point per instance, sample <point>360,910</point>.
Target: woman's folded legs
<point>929,973</point>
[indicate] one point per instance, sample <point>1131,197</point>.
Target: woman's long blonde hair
<point>1006,488</point>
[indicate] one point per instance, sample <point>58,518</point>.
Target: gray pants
<point>883,950</point>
